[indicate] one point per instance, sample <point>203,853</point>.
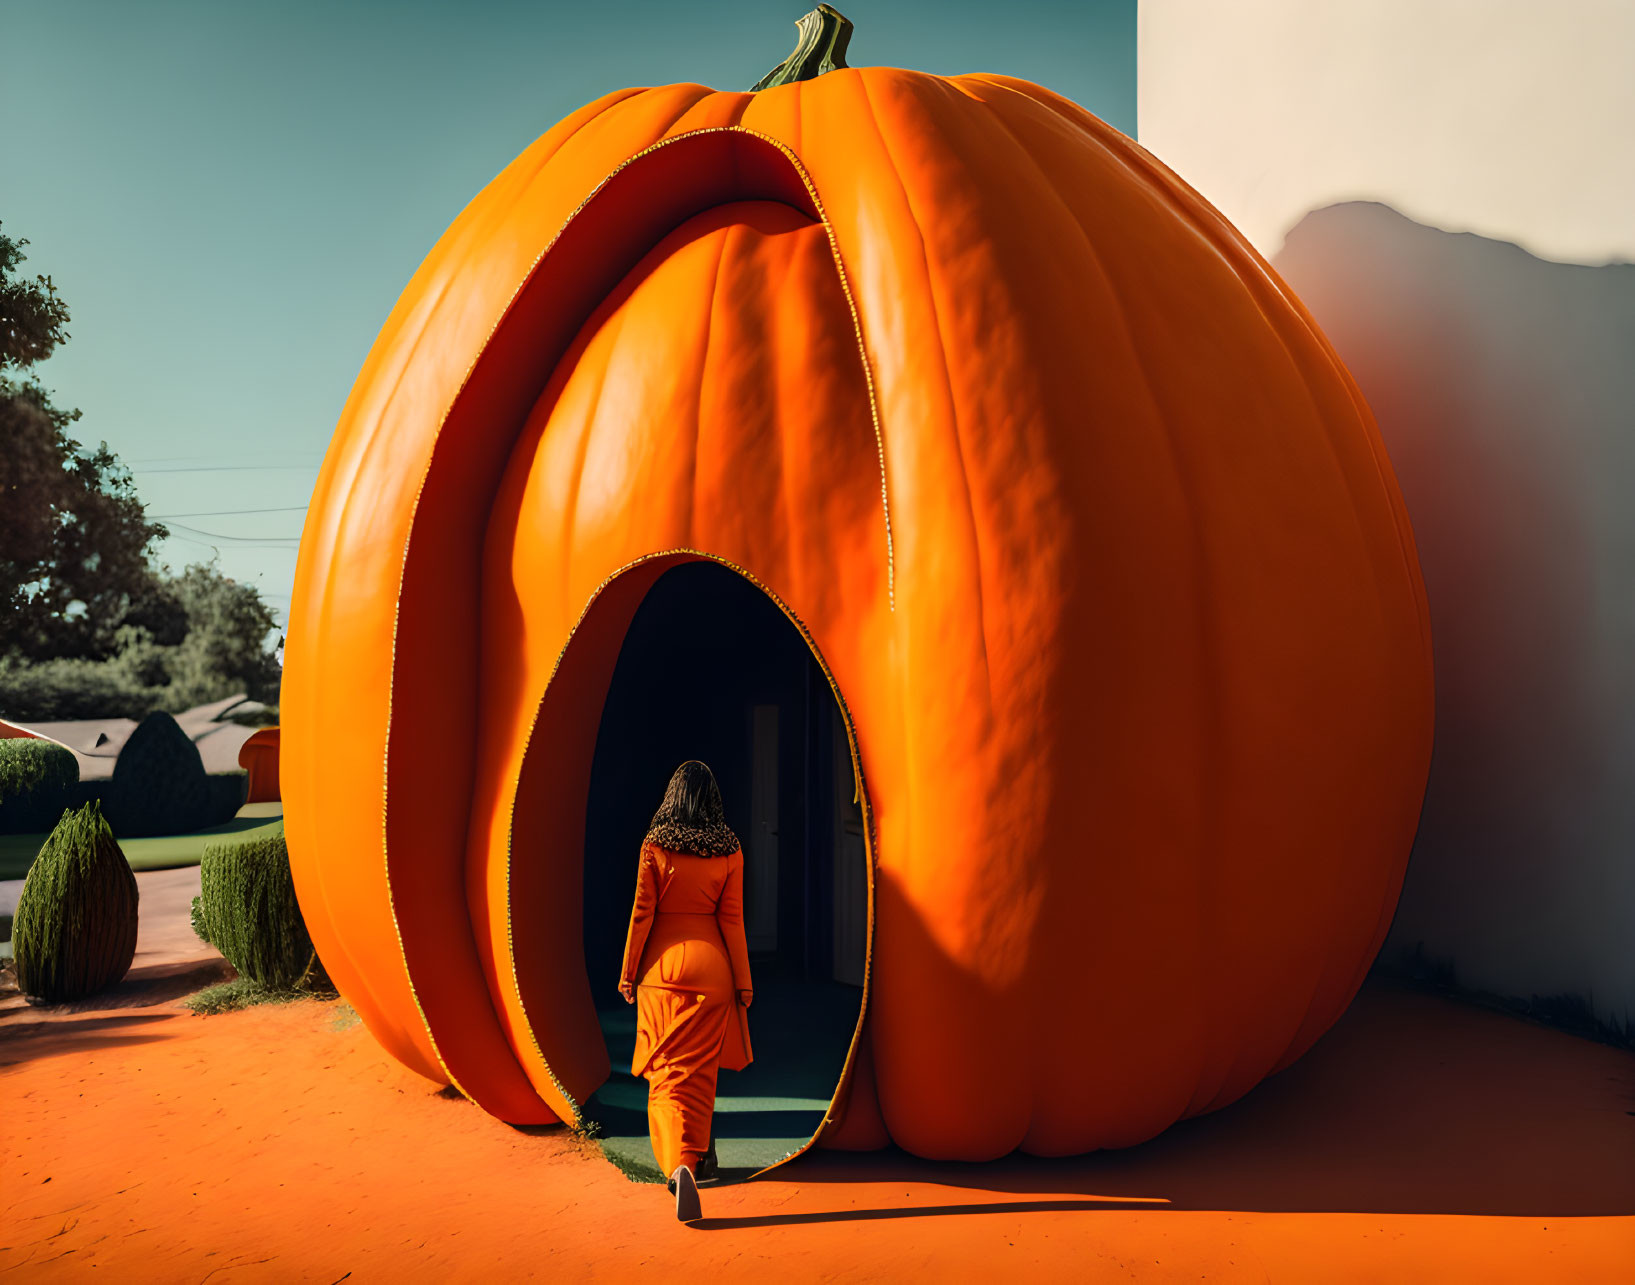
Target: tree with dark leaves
<point>88,627</point>
<point>74,541</point>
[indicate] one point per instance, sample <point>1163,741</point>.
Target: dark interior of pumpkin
<point>711,669</point>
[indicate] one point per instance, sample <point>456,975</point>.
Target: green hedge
<point>227,792</point>
<point>37,784</point>
<point>75,928</point>
<point>247,910</point>
<point>159,784</point>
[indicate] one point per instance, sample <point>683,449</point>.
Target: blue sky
<point>231,195</point>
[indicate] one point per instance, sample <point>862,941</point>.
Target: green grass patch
<point>763,1113</point>
<point>345,1017</point>
<point>241,992</point>
<point>632,1167</point>
<point>161,852</point>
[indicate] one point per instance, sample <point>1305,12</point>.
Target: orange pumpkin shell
<point>1089,526</point>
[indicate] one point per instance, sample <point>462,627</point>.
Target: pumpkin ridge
<point>1208,815</point>
<point>947,377</point>
<point>714,297</point>
<point>1306,351</point>
<point>862,343</point>
<point>805,178</point>
<point>979,926</point>
<point>799,172</point>
<point>431,462</point>
<point>1323,980</point>
<point>581,450</point>
<point>350,493</point>
<point>1191,205</point>
<point>1259,280</point>
<point>788,499</point>
<point>708,110</point>
<point>1303,374</point>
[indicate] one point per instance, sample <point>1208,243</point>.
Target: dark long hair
<point>691,818</point>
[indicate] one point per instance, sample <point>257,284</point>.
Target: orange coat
<point>687,936</point>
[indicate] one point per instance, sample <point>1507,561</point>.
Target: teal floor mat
<point>800,1032</point>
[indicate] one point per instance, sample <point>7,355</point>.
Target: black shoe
<point>687,1207</point>
<point>709,1167</point>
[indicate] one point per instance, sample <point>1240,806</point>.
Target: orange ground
<point>1420,1140</point>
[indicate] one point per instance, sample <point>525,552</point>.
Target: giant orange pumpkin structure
<point>1088,526</point>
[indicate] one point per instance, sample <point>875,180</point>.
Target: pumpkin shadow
<point>1410,1104</point>
<point>1503,386</point>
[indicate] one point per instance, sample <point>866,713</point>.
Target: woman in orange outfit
<point>686,968</point>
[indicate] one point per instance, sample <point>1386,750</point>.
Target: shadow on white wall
<point>1504,386</point>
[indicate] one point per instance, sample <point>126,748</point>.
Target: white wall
<point>1450,187</point>
<point>1510,118</point>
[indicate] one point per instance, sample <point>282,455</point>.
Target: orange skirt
<point>687,1017</point>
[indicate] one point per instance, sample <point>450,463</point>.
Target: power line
<point>190,540</point>
<point>205,544</point>
<point>231,468</point>
<point>265,541</point>
<point>224,513</point>
<point>248,456</point>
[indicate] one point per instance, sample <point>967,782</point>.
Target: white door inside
<point>761,858</point>
<point>851,921</point>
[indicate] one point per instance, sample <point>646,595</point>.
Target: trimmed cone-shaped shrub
<point>37,782</point>
<point>159,784</point>
<point>75,928</point>
<point>249,912</point>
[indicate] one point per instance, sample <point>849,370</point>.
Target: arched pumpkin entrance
<point>685,657</point>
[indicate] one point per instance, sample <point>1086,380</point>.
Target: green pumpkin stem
<point>821,47</point>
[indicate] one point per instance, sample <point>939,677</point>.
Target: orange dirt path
<point>1420,1140</point>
